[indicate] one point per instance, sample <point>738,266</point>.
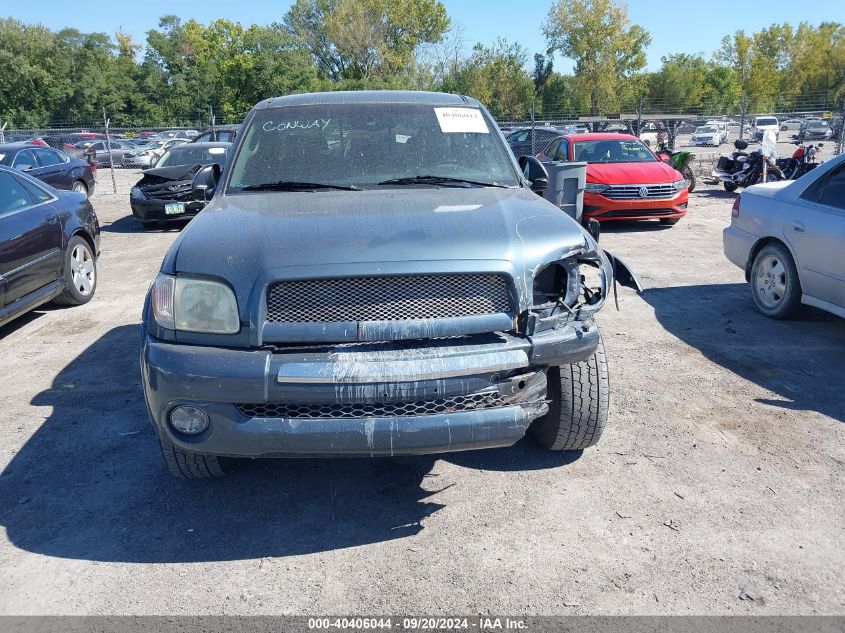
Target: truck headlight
<point>576,285</point>
<point>194,304</point>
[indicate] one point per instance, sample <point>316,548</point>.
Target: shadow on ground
<point>90,483</point>
<point>801,361</point>
<point>128,224</point>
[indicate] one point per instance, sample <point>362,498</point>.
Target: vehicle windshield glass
<point>706,129</point>
<point>767,122</point>
<point>361,145</point>
<point>192,156</point>
<point>613,151</point>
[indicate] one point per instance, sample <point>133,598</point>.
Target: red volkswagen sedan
<point>625,180</point>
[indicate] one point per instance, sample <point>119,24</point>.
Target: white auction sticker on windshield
<point>461,120</point>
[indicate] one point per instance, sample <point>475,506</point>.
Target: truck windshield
<point>370,145</point>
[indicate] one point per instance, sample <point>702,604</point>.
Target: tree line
<point>185,70</point>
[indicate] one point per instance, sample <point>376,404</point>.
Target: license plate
<point>174,208</point>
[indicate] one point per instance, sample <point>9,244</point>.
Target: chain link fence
<point>118,158</point>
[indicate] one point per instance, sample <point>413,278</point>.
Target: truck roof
<point>370,96</point>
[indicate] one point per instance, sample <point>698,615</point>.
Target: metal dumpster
<point>566,186</point>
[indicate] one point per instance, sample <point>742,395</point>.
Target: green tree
<point>606,47</point>
<point>496,76</point>
<point>366,39</point>
<point>30,87</point>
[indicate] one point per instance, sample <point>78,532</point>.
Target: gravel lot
<point>719,478</point>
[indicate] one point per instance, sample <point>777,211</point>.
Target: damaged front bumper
<point>410,397</point>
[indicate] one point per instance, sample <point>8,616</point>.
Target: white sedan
<point>706,135</point>
<point>789,238</point>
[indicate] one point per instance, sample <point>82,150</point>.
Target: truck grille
<point>400,298</point>
<point>634,192</point>
<point>471,402</point>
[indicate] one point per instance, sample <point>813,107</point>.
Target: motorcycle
<point>801,161</point>
<point>743,169</point>
<point>681,161</point>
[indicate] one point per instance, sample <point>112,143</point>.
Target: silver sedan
<point>789,237</point>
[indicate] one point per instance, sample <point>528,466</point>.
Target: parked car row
<point>342,323</point>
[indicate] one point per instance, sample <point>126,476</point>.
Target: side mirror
<point>205,182</point>
<point>535,173</point>
<point>594,229</point>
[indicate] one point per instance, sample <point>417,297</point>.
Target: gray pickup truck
<point>374,274</point>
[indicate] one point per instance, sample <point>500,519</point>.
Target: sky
<point>676,26</point>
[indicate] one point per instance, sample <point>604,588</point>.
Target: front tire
<point>730,186</point>
<point>689,175</point>
<point>80,273</point>
<point>775,286</point>
<point>190,465</point>
<point>80,187</point>
<point>580,398</point>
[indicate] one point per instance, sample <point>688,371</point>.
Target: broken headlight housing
<point>194,304</point>
<point>572,287</point>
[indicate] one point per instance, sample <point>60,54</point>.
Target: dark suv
<point>374,275</point>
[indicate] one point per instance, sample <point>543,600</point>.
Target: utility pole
<point>533,123</point>
<point>106,121</point>
<point>840,147</point>
<point>211,115</point>
<point>3,133</point>
<point>639,130</point>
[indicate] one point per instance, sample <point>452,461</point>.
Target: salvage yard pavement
<point>717,488</point>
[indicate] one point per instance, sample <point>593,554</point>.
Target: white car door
<point>816,231</point>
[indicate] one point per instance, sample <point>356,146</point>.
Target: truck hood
<point>247,238</point>
<point>631,173</point>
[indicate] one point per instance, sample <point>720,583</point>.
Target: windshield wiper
<point>296,185</point>
<point>438,180</point>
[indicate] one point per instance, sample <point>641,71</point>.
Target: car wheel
<point>190,465</point>
<point>670,221</point>
<point>80,187</point>
<point>579,397</point>
<point>80,273</point>
<point>775,286</point>
<point>730,186</point>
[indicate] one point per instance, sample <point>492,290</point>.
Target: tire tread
<point>190,465</point>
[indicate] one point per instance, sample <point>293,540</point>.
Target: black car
<point>50,165</point>
<point>164,193</point>
<point>49,243</point>
<point>520,140</point>
<point>220,133</point>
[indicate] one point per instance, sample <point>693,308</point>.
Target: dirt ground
<point>717,488</point>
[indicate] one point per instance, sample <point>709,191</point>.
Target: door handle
<point>797,226</point>
<point>51,219</point>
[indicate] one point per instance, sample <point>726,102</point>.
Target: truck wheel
<point>190,465</point>
<point>775,286</point>
<point>579,399</point>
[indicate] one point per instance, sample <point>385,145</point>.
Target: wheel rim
<point>78,187</point>
<point>770,282</point>
<point>82,270</point>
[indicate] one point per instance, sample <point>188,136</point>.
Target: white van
<point>763,123</point>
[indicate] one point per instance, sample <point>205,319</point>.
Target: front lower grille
<point>398,298</point>
<point>641,192</point>
<point>472,402</point>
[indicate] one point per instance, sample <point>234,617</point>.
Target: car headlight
<point>680,184</point>
<point>596,187</point>
<point>194,304</point>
